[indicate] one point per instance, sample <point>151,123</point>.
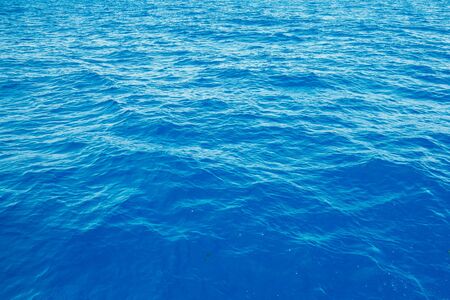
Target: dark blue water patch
<point>298,81</point>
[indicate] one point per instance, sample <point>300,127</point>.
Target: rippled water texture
<point>225,149</point>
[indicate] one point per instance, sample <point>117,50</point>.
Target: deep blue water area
<point>229,149</point>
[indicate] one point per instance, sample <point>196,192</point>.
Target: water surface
<point>224,149</point>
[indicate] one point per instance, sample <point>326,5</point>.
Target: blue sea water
<point>227,149</point>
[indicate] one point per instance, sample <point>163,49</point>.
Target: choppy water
<point>225,149</point>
